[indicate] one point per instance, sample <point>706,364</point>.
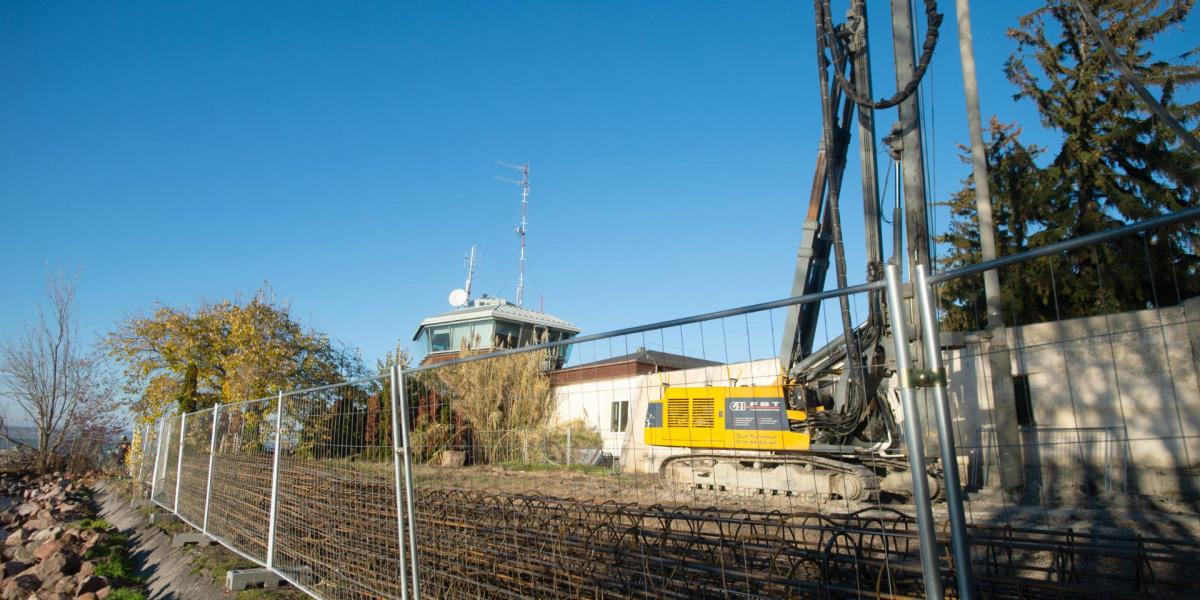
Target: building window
<point>440,340</point>
<point>1023,399</point>
<point>619,415</point>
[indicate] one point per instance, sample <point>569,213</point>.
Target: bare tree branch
<point>47,376</point>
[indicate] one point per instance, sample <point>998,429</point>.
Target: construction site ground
<point>1105,512</point>
<point>550,532</point>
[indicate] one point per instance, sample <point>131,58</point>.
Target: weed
<point>127,594</point>
<point>171,526</point>
<point>112,559</point>
<point>217,561</point>
<point>588,469</point>
<point>116,568</point>
<point>98,524</point>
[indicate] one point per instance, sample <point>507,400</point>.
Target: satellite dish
<point>458,297</point>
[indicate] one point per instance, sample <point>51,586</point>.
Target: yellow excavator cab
<point>730,418</point>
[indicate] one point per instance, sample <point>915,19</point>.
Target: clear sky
<point>344,152</point>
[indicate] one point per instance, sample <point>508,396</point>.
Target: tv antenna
<point>524,183</point>
<point>462,296</point>
<point>470,271</point>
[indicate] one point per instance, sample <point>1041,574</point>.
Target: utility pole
<point>1004,410</point>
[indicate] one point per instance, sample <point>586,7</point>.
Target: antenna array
<point>524,183</point>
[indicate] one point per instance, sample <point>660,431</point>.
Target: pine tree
<point>1018,191</point>
<point>1117,164</point>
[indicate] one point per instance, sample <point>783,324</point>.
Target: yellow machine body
<point>729,418</point>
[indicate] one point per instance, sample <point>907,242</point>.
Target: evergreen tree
<point>1117,164</point>
<point>1018,191</point>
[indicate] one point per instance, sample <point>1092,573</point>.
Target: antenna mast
<point>524,183</point>
<point>470,272</point>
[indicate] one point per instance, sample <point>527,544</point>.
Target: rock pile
<point>44,557</point>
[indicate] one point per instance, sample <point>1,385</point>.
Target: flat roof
<point>650,357</point>
<point>496,309</point>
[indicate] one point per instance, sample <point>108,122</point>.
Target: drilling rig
<point>830,428</point>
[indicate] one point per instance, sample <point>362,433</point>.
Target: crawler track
<point>859,484</point>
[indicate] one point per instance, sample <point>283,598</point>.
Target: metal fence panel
<point>1084,458</point>
<point>149,447</point>
<point>168,462</point>
<point>241,477</point>
<point>193,483</point>
<point>336,528</point>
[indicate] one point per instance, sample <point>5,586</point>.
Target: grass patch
<point>587,469</point>
<point>171,526</point>
<point>98,524</point>
<point>112,560</point>
<point>127,594</point>
<point>116,568</point>
<point>217,561</point>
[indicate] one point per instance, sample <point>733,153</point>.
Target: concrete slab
<point>242,579</point>
<point>164,517</point>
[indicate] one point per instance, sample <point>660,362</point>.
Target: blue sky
<point>344,152</point>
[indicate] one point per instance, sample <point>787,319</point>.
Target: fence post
<point>568,446</point>
<point>912,437</point>
<point>145,450</point>
<point>274,485</point>
<point>179,460</point>
<point>141,473</point>
<point>395,397</point>
<point>212,448</point>
<point>410,496</point>
<point>945,429</point>
<point>157,458</point>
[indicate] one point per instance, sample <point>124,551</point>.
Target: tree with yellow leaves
<point>222,352</point>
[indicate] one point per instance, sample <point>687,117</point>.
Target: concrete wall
<point>1135,372</point>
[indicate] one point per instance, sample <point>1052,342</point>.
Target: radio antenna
<point>524,183</point>
<point>470,272</point>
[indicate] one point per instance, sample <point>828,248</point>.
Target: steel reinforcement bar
<point>492,545</point>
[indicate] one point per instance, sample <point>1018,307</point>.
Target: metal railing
<point>1079,457</point>
<point>301,483</point>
